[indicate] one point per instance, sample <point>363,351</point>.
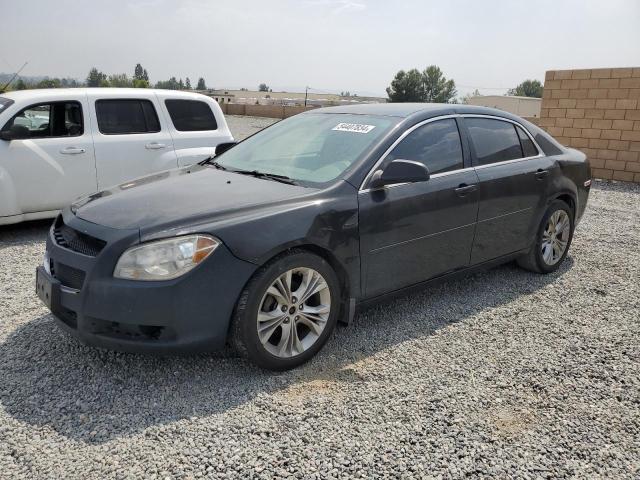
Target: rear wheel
<point>287,311</point>
<point>552,240</point>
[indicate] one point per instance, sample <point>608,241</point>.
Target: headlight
<point>164,259</point>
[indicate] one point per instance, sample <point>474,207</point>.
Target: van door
<point>131,140</point>
<point>53,163</point>
<point>196,124</point>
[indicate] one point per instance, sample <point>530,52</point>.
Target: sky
<point>329,45</point>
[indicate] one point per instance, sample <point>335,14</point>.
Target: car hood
<point>175,196</point>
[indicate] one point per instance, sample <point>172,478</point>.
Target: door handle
<point>465,189</point>
<point>540,174</point>
<point>72,151</point>
<point>154,146</point>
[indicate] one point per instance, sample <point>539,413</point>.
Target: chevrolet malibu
<point>268,245</point>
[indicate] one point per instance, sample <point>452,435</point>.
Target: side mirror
<point>400,171</point>
<point>223,147</point>
<point>16,132</point>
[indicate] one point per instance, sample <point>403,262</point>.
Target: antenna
<point>13,78</point>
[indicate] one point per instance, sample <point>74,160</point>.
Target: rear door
<point>131,139</point>
<point>412,232</point>
<point>55,164</point>
<point>513,183</point>
<point>196,125</point>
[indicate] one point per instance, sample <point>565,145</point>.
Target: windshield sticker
<point>353,127</point>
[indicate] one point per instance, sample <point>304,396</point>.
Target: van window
<point>191,115</point>
<point>436,145</point>
<point>4,103</point>
<point>126,116</point>
<point>47,120</point>
<point>493,140</point>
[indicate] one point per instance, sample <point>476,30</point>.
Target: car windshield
<point>4,103</point>
<point>311,149</point>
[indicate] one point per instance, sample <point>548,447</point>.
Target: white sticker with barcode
<point>353,127</point>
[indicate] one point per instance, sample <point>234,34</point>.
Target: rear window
<point>126,116</point>
<point>191,115</point>
<point>4,103</point>
<point>493,140</point>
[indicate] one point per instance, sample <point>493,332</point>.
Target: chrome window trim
<point>436,175</point>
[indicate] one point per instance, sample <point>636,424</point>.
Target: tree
<point>120,80</point>
<point>427,86</point>
<point>187,84</point>
<point>406,87</point>
<point>201,84</point>
<point>437,88</point>
<point>528,88</point>
<point>140,83</point>
<point>96,78</point>
<point>180,85</point>
<point>138,72</point>
<point>20,85</point>
<point>145,75</point>
<point>263,87</point>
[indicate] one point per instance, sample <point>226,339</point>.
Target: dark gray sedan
<point>270,244</point>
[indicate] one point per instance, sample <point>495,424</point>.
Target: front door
<point>131,138</point>
<point>55,163</point>
<point>412,232</point>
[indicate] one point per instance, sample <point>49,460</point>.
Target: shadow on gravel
<point>48,379</point>
<point>25,233</point>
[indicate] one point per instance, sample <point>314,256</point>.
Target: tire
<point>537,259</point>
<point>262,306</point>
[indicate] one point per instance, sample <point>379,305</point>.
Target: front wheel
<point>287,311</point>
<point>553,239</point>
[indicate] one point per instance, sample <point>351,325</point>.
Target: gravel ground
<point>503,374</point>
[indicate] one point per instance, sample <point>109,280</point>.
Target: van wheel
<point>287,311</point>
<point>553,239</point>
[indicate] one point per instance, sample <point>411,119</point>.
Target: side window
<point>48,120</point>
<point>436,144</point>
<point>493,140</point>
<point>126,116</point>
<point>528,147</point>
<point>191,115</point>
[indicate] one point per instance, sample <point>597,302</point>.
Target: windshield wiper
<point>268,176</point>
<point>212,161</point>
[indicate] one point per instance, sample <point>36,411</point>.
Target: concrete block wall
<point>596,111</point>
<point>270,111</point>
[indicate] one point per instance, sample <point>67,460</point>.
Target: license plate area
<point>47,289</point>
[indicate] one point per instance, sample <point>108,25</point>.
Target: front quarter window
<point>312,148</point>
<point>5,103</point>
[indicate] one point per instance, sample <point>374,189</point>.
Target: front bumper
<point>188,314</point>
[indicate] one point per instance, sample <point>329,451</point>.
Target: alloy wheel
<point>555,237</point>
<point>293,312</point>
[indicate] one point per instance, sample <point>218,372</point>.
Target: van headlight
<point>164,259</point>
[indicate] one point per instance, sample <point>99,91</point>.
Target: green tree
<point>138,72</point>
<point>406,87</point>
<point>528,88</point>
<point>120,80</point>
<point>20,85</point>
<point>140,83</point>
<point>187,84</point>
<point>437,89</point>
<point>468,96</point>
<point>263,87</point>
<point>145,75</point>
<point>427,86</point>
<point>201,84</point>
<point>96,78</point>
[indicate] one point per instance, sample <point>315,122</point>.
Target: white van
<point>59,144</point>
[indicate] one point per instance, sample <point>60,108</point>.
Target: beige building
<point>522,106</point>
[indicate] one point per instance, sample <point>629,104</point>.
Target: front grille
<point>71,239</point>
<point>69,276</point>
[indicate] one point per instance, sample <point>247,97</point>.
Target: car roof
<point>404,110</point>
<point>45,94</point>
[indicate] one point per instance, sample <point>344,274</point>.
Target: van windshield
<point>311,149</point>
<point>4,103</point>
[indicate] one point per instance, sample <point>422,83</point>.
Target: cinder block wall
<point>596,111</point>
